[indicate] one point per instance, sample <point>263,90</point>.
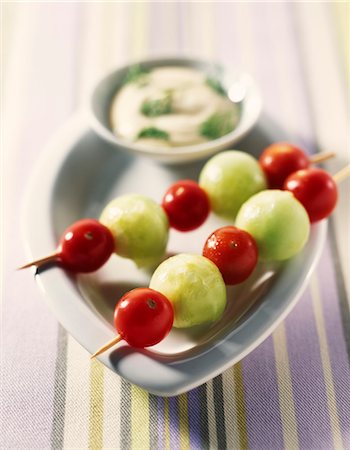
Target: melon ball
<point>194,286</point>
<point>139,226</point>
<point>229,179</point>
<point>278,223</point>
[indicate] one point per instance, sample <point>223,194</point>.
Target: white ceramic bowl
<point>241,86</point>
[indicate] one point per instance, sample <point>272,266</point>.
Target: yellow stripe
<point>327,368</point>
<point>183,420</point>
<point>166,424</point>
<point>139,418</point>
<point>342,17</point>
<point>96,406</point>
<point>139,23</point>
<point>240,406</point>
<point>284,381</point>
<point>203,36</point>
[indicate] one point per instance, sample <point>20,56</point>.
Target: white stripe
<point>76,431</point>
<point>230,410</point>
<point>92,63</point>
<point>284,381</point>
<point>330,109</point>
<point>16,96</point>
<point>112,411</point>
<point>242,23</point>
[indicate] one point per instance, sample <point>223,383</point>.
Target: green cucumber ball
<point>139,227</point>
<point>194,286</point>
<point>229,179</point>
<point>278,223</point>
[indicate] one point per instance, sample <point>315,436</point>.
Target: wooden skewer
<point>41,261</point>
<point>315,159</point>
<point>107,346</point>
<point>342,174</point>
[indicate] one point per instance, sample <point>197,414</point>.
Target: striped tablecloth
<point>293,391</point>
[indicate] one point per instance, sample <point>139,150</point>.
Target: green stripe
<point>219,412</point>
<point>153,421</point>
<point>183,422</point>
<point>57,432</point>
<point>139,418</point>
<point>96,405</point>
<point>240,405</point>
<point>341,15</point>
<point>125,415</point>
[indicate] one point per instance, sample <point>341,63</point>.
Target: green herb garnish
<point>216,85</point>
<point>157,107</point>
<point>217,125</point>
<point>154,133</point>
<point>137,74</point>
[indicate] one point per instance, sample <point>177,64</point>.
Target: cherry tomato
<point>234,251</point>
<point>280,160</point>
<point>316,191</point>
<point>143,317</point>
<point>186,205</point>
<point>85,246</point>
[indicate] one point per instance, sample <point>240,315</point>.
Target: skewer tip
<point>107,346</point>
<point>40,262</point>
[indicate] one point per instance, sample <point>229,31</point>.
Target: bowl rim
<point>245,123</point>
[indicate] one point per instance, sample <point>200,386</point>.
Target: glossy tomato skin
<point>143,317</point>
<point>234,251</point>
<point>85,246</point>
<point>316,191</point>
<point>281,159</point>
<point>186,205</point>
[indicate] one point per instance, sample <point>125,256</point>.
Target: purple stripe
<point>161,422</point>
<point>229,51</point>
<point>259,372</point>
<point>305,362</point>
<point>335,338</point>
<point>306,365</point>
<point>174,423</point>
<point>194,419</point>
<point>159,27</point>
<point>261,398</point>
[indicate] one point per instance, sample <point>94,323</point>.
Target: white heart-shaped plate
<point>76,177</point>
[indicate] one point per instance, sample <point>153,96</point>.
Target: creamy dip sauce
<point>172,107</point>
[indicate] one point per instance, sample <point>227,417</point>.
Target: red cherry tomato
<point>85,246</point>
<point>316,191</point>
<point>280,160</point>
<point>186,205</point>
<point>143,317</point>
<point>234,251</point>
